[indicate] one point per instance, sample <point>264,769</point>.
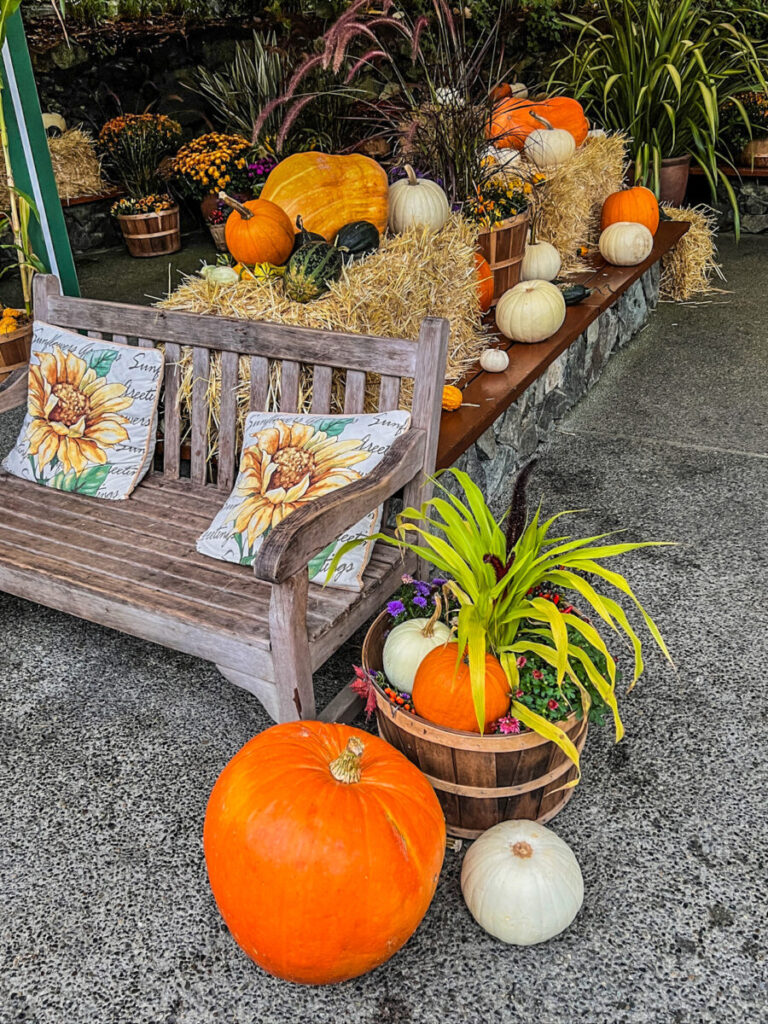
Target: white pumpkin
<point>522,883</point>
<point>408,645</point>
<point>519,90</point>
<point>507,160</point>
<point>548,148</point>
<point>446,96</point>
<point>531,311</point>
<point>494,360</point>
<point>417,203</point>
<point>626,244</point>
<point>541,262</point>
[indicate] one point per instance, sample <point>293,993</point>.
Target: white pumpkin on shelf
<point>549,147</point>
<point>417,203</point>
<point>408,645</point>
<point>522,883</point>
<point>541,260</point>
<point>625,244</point>
<point>494,360</point>
<point>531,311</point>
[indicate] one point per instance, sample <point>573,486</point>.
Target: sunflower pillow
<point>91,419</point>
<point>289,459</point>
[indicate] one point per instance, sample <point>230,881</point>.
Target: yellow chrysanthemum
<point>75,414</point>
<point>289,466</point>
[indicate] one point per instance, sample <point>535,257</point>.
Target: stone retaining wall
<point>514,436</point>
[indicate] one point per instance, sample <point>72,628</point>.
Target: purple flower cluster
<point>415,598</point>
<point>260,168</point>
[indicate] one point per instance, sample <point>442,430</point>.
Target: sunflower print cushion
<point>91,419</point>
<point>289,460</point>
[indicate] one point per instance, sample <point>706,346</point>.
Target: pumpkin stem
<point>412,179</point>
<point>429,629</point>
<point>522,849</point>
<point>346,767</point>
<point>544,121</point>
<point>244,212</point>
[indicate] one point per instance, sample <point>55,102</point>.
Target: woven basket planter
<point>218,236</point>
<point>151,234</point>
<point>14,350</point>
<point>503,246</point>
<point>479,780</point>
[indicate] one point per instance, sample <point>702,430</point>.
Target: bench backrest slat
<point>227,420</point>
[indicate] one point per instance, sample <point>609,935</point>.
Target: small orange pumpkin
<point>452,398</point>
<point>258,232</point>
<point>323,846</point>
<point>513,120</point>
<point>442,692</point>
<point>484,282</point>
<point>637,205</point>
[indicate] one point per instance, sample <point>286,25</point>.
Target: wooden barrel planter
<point>504,247</point>
<point>151,234</point>
<point>14,350</point>
<point>479,780</point>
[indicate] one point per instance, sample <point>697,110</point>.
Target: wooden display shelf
<point>111,193</point>
<point>488,395</point>
<point>733,172</point>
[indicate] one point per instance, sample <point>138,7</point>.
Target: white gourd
<point>408,645</point>
<point>625,244</point>
<point>541,262</point>
<point>531,311</point>
<point>494,360</point>
<point>446,96</point>
<point>549,147</point>
<point>519,90</point>
<point>505,159</point>
<point>417,202</point>
<point>522,883</point>
<point>220,274</point>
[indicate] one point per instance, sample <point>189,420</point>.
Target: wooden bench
<point>132,565</point>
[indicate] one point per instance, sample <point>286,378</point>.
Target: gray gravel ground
<point>110,746</point>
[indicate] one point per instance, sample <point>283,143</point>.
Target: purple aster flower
<point>420,601</point>
<point>438,581</point>
<point>422,588</point>
<point>395,608</point>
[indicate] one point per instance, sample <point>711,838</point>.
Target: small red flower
<point>552,705</point>
<point>522,662</point>
<point>518,693</point>
<point>538,674</point>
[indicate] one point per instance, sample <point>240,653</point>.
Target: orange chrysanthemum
<point>289,466</point>
<point>75,414</point>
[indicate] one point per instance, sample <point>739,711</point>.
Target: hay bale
<point>413,275</point>
<point>687,270</point>
<point>76,167</point>
<point>571,200</point>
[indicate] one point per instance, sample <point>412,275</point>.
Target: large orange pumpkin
<point>442,693</point>
<point>324,846</point>
<point>638,205</point>
<point>484,282</point>
<point>512,120</point>
<point>258,232</point>
<point>328,192</point>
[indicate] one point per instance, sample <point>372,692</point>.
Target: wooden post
<point>290,648</point>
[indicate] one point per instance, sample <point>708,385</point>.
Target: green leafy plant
<point>662,72</point>
<point>499,571</point>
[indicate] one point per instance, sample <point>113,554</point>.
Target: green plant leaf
<point>549,731</point>
<point>316,563</point>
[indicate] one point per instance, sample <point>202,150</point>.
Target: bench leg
<point>290,648</point>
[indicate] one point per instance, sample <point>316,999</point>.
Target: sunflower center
<point>71,406</point>
<point>293,464</point>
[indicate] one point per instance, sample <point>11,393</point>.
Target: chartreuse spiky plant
<point>495,573</point>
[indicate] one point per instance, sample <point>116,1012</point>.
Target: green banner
<point>30,159</point>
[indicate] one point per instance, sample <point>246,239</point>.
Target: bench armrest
<point>13,390</point>
<point>292,544</point>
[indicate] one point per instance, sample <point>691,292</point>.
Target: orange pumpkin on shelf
<point>452,398</point>
<point>513,120</point>
<point>323,846</point>
<point>257,231</point>
<point>637,205</point>
<point>328,191</point>
<point>442,692</point>
<point>484,282</point>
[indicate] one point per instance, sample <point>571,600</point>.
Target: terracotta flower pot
<point>479,780</point>
<point>755,153</point>
<point>673,180</point>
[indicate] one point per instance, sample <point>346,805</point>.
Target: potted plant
<point>528,662</point>
<point>216,222</point>
<point>150,225</point>
<point>752,146</point>
<point>216,162</point>
<point>134,146</point>
<point>661,72</point>
<point>499,207</point>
